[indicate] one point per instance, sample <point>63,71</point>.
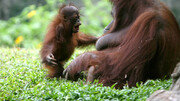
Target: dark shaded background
<point>10,8</point>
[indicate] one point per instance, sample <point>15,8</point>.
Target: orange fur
<point>149,49</point>
<point>61,42</point>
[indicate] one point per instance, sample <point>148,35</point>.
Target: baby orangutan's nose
<point>78,23</point>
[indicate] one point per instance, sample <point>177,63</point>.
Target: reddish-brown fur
<point>149,49</point>
<point>61,42</point>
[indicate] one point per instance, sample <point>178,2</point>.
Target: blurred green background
<point>23,23</point>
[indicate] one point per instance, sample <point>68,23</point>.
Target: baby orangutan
<point>61,39</point>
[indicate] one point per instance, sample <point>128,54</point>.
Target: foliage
<point>32,23</point>
<point>95,16</point>
<point>22,78</point>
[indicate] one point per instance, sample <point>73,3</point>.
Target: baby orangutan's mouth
<point>76,28</point>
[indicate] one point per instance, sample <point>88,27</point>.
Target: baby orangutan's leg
<point>55,71</point>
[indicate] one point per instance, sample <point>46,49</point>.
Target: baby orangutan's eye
<point>73,20</point>
<point>77,17</point>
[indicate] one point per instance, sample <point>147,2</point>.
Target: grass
<point>22,78</point>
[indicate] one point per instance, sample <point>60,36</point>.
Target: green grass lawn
<point>22,78</point>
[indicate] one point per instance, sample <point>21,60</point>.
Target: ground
<point>23,78</point>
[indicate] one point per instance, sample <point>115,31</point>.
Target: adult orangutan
<point>61,40</point>
<point>143,43</point>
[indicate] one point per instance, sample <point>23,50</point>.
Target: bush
<point>28,29</point>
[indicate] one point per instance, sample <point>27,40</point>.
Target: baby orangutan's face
<point>72,15</point>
